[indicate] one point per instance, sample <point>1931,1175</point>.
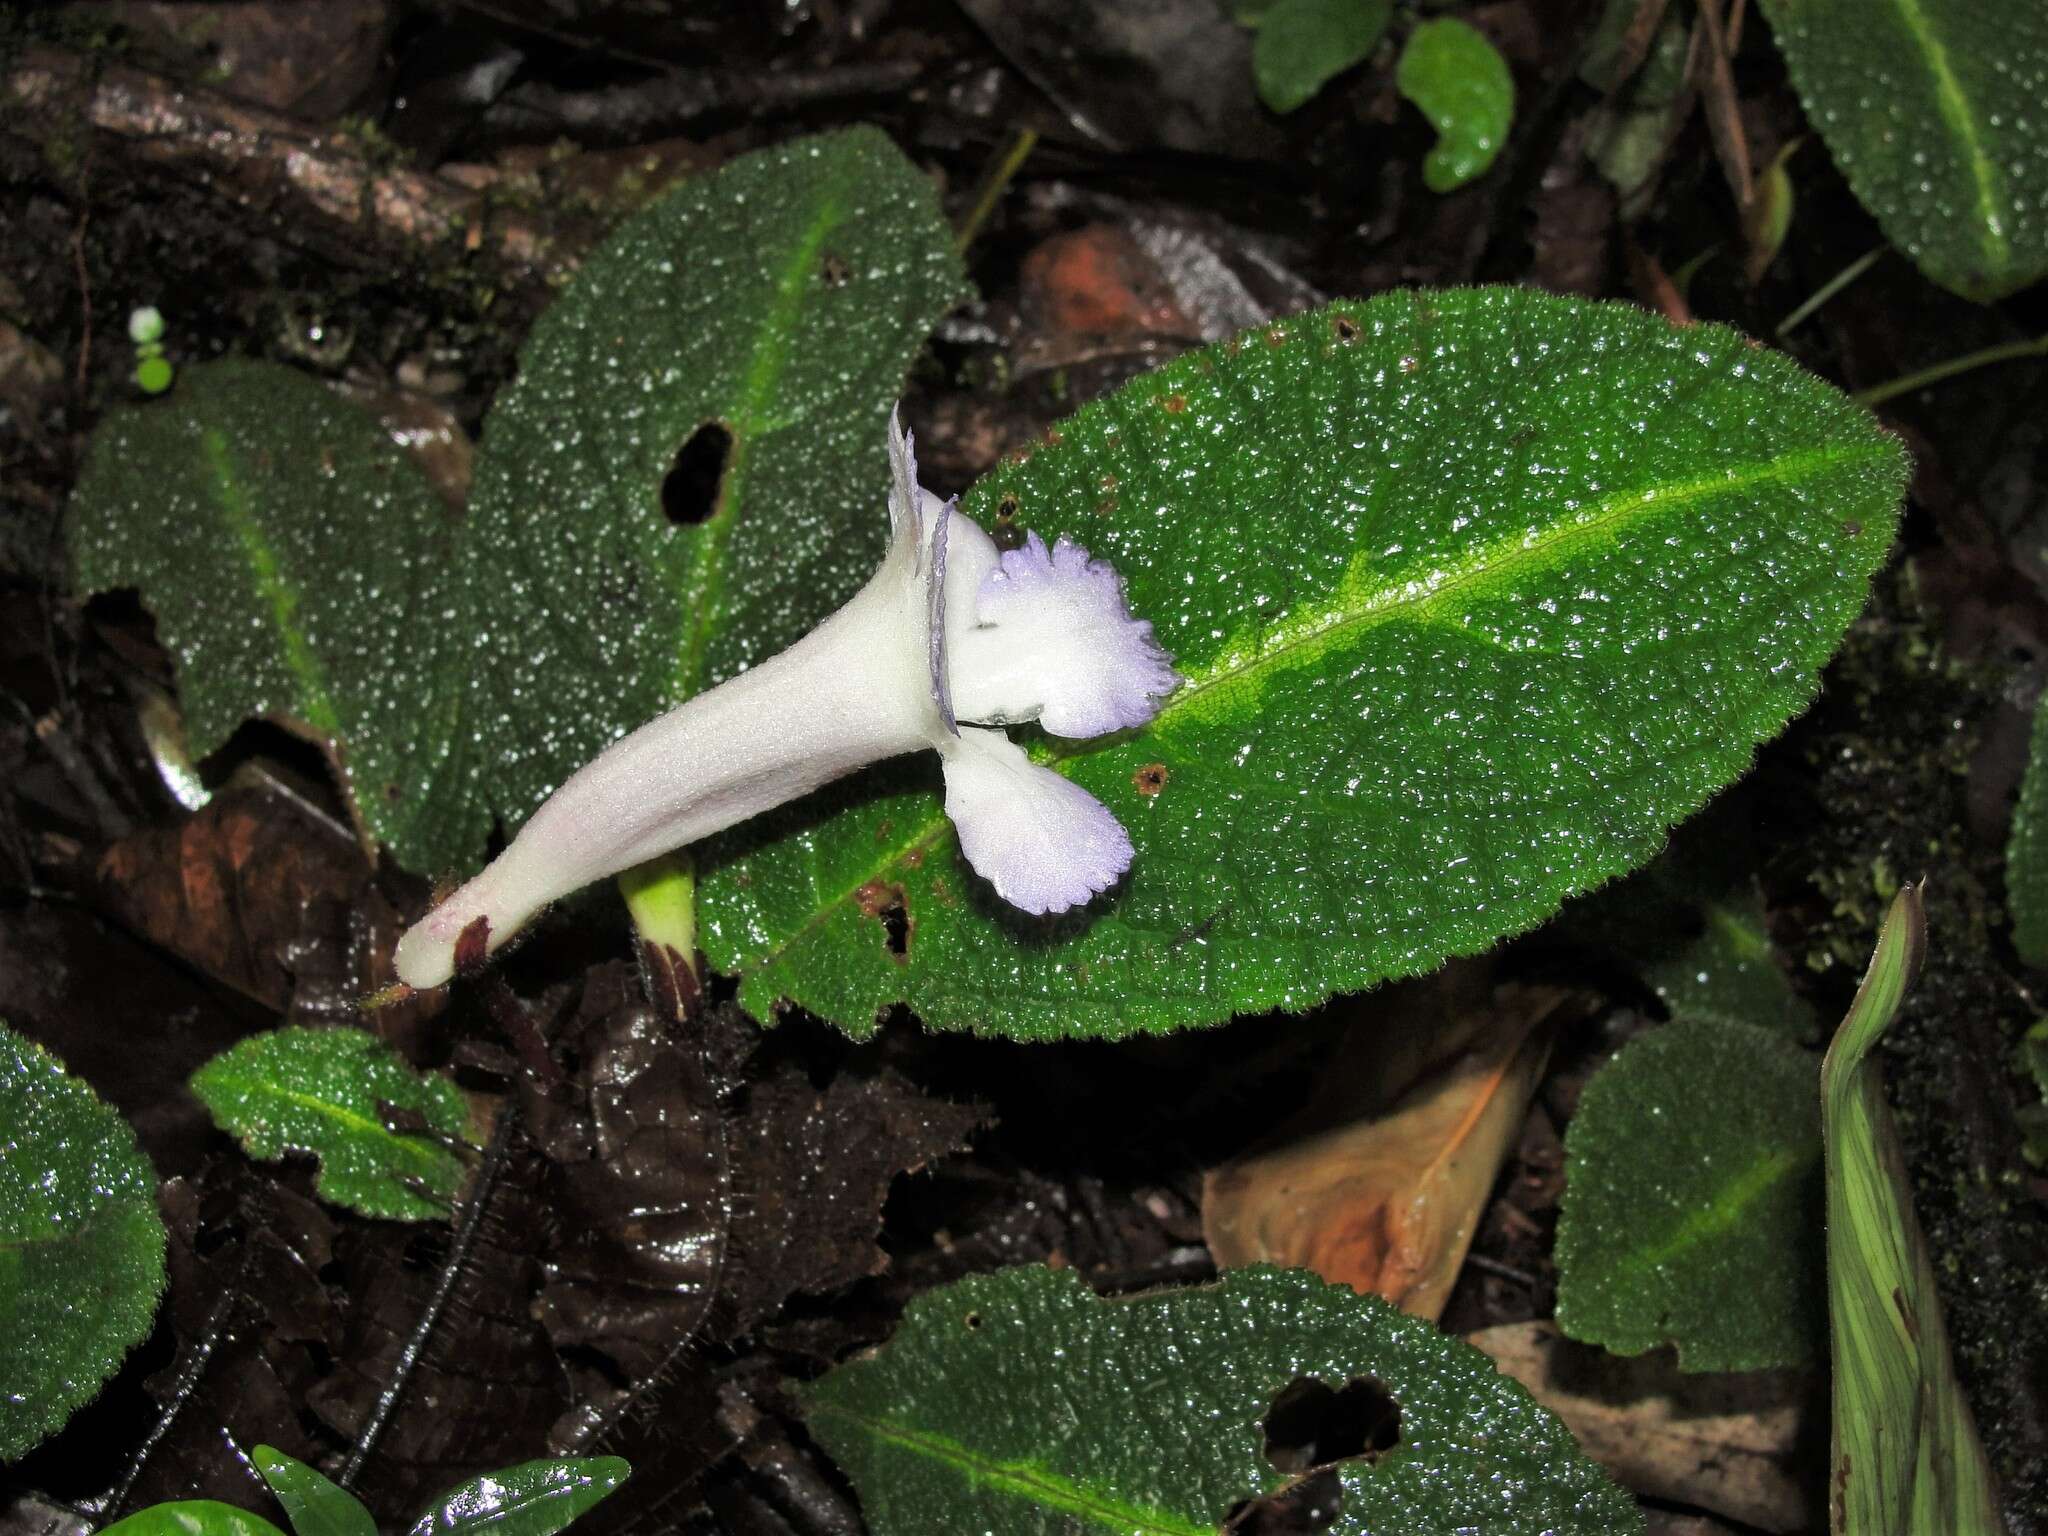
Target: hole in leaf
<point>884,901</point>
<point>972,1320</point>
<point>1309,1504</point>
<point>689,492</point>
<point>1312,1424</point>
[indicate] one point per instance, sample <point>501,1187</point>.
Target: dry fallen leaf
<point>1727,1443</point>
<point>1380,1183</point>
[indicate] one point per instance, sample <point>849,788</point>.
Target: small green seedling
<point>153,372</point>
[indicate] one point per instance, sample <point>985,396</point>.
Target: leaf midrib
<point>1392,599</point>
<point>1025,1480</point>
<point>271,585</point>
<point>1954,105</point>
<point>748,421</point>
<point>1725,1212</point>
<point>425,1153</point>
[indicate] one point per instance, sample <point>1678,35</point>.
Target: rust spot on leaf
<point>1150,779</point>
<point>884,901</point>
<point>1175,403</point>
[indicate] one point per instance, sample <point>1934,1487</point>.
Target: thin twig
<point>466,1229</point>
<point>635,111</point>
<point>1000,174</point>
<point>271,165</point>
<point>2005,352</point>
<point>1723,109</point>
<point>1830,288</point>
<point>181,1392</point>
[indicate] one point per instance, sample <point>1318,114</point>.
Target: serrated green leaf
<point>81,1244</point>
<point>322,1091</point>
<point>1021,1404</point>
<point>1693,926</point>
<point>2026,851</point>
<point>1727,972</point>
<point>300,568</point>
<point>1476,592</point>
<point>535,1498</point>
<point>1692,1201</point>
<point>1305,44</point>
<point>1934,110</point>
<point>1462,85</point>
<point>783,297</point>
<point>192,1517</point>
<point>1906,1458</point>
<point>315,1505</point>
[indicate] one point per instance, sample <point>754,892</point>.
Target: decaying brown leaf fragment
<point>1380,1183</point>
<point>1729,1443</point>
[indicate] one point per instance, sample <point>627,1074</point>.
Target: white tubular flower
<point>947,630</point>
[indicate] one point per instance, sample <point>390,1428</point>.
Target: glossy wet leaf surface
<point>193,1517</point>
<point>81,1244</point>
<point>1933,110</point>
<point>1021,1402</point>
<point>1906,1460</point>
<point>777,303</point>
<point>300,569</point>
<point>1476,593</point>
<point>1691,1211</point>
<point>333,1093</point>
<point>1304,44</point>
<point>1461,84</point>
<point>315,1505</point>
<point>536,1498</point>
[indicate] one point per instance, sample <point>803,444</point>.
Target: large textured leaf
<point>783,299</point>
<point>81,1244</point>
<point>535,1498</point>
<point>1692,1201</point>
<point>1019,1403</point>
<point>326,1091</point>
<point>1906,1458</point>
<point>1476,593</point>
<point>300,568</point>
<point>1933,110</point>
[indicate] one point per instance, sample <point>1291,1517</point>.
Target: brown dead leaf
<point>1380,1184</point>
<point>1732,1444</point>
<point>265,893</point>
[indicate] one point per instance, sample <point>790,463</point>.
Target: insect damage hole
<point>884,901</point>
<point>690,490</point>
<point>1311,1503</point>
<point>1311,1424</point>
